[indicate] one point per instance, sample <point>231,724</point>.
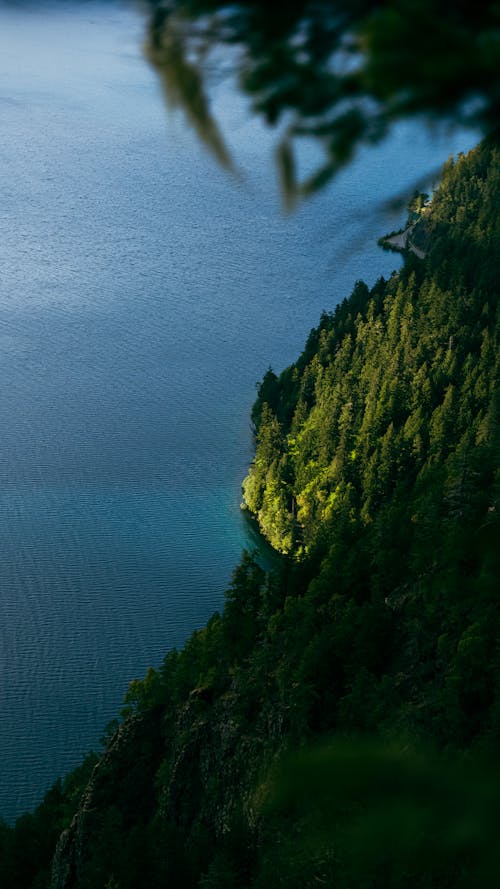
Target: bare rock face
<point>210,751</point>
<point>122,778</point>
<point>191,769</point>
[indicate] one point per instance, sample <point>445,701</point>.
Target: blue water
<point>143,292</point>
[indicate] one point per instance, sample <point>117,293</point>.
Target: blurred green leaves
<point>182,81</point>
<point>338,71</point>
<point>391,816</point>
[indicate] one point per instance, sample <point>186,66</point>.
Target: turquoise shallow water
<point>142,294</point>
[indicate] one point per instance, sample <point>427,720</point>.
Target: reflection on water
<point>142,294</point>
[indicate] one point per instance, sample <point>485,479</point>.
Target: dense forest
<point>337,724</point>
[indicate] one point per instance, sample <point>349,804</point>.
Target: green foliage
<point>333,70</point>
<point>26,849</point>
<point>387,817</point>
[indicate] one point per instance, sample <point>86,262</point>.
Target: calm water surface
<point>142,294</point>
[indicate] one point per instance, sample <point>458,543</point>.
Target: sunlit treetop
<point>339,71</point>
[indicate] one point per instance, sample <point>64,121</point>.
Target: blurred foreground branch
<point>338,71</point>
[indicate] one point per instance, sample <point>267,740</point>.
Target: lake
<point>143,292</point>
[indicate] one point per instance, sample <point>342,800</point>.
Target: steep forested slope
<point>376,458</point>
<point>376,476</point>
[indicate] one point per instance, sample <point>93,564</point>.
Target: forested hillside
<point>337,724</point>
<point>376,461</point>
